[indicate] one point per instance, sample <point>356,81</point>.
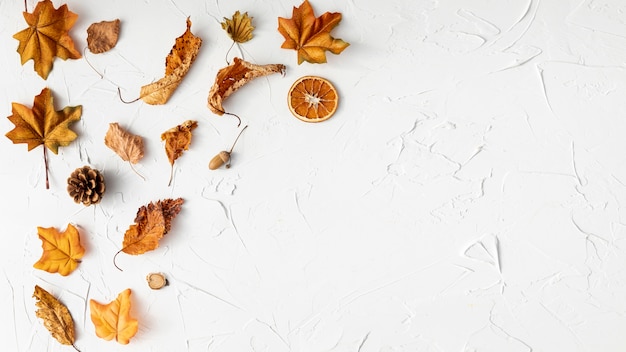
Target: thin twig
<point>119,94</point>
<point>231,114</point>
<point>45,162</point>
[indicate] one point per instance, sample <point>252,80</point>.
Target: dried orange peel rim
<point>312,99</point>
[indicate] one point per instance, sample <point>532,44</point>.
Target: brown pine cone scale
<point>86,185</point>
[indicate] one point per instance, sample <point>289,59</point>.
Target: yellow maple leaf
<point>62,251</point>
<point>310,35</point>
<point>47,36</point>
<point>239,27</point>
<point>113,320</point>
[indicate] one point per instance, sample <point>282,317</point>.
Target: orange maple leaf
<point>310,36</point>
<point>113,320</point>
<point>43,125</point>
<point>151,224</point>
<point>47,36</point>
<point>62,251</point>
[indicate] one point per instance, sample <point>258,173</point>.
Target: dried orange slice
<point>312,99</point>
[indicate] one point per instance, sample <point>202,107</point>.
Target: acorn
<point>223,157</point>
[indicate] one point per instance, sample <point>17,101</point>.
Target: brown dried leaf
<point>127,145</point>
<point>55,315</point>
<point>177,64</point>
<point>151,224</point>
<point>177,139</point>
<point>239,27</point>
<point>233,76</point>
<point>102,36</point>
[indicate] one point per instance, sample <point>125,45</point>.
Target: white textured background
<point>467,196</point>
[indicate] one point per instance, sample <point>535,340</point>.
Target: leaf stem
<point>119,94</point>
<point>231,114</point>
<point>228,52</point>
<point>25,6</point>
<point>171,176</point>
<point>137,172</point>
<point>75,348</point>
<point>45,162</point>
<point>90,65</point>
<point>114,263</point>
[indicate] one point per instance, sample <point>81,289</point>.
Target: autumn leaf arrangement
<point>46,38</point>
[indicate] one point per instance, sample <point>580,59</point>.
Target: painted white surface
<point>467,196</point>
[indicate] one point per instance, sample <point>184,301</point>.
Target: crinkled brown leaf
<point>125,144</point>
<point>47,37</point>
<point>102,36</point>
<point>177,64</point>
<point>43,125</point>
<point>239,27</point>
<point>152,222</point>
<point>233,76</point>
<point>113,320</point>
<point>310,36</point>
<point>177,140</point>
<point>55,315</point>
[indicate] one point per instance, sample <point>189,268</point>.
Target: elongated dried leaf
<point>152,222</point>
<point>310,36</point>
<point>102,36</point>
<point>62,251</point>
<point>177,140</point>
<point>177,64</point>
<point>55,315</point>
<point>239,27</point>
<point>43,125</point>
<point>127,145</point>
<point>113,320</point>
<point>233,77</point>
<point>47,36</point>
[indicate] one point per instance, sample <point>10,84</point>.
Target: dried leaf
<point>233,76</point>
<point>310,36</point>
<point>62,251</point>
<point>43,125</point>
<point>55,315</point>
<point>239,27</point>
<point>127,145</point>
<point>177,139</point>
<point>47,36</point>
<point>102,36</point>
<point>113,320</point>
<point>177,64</point>
<point>151,223</point>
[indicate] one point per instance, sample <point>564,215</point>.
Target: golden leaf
<point>113,320</point>
<point>310,36</point>
<point>177,64</point>
<point>151,223</point>
<point>127,145</point>
<point>102,36</point>
<point>177,140</point>
<point>47,36</point>
<point>233,76</point>
<point>56,317</point>
<point>62,251</point>
<point>239,27</point>
<point>43,125</point>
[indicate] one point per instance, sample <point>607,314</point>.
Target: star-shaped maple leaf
<point>43,125</point>
<point>310,36</point>
<point>47,36</point>
<point>62,251</point>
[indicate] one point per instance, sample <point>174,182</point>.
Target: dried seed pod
<point>86,185</point>
<point>156,280</point>
<point>224,156</point>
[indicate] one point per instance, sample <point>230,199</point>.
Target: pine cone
<point>86,185</point>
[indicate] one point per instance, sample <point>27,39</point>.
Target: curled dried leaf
<point>56,317</point>
<point>177,64</point>
<point>233,77</point>
<point>177,140</point>
<point>102,36</point>
<point>239,27</point>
